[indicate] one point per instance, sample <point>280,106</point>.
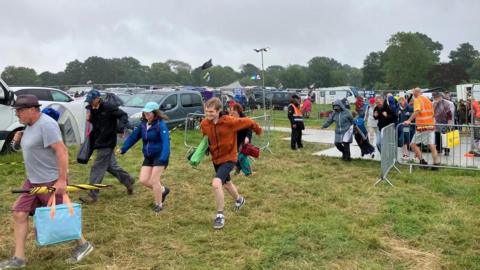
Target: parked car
<point>72,113</point>
<point>280,99</point>
<point>175,104</point>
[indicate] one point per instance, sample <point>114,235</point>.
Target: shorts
<point>223,171</point>
<point>424,137</point>
<point>154,161</point>
<point>29,202</point>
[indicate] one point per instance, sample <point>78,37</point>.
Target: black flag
<point>207,64</point>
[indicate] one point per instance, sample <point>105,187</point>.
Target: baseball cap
<point>26,101</point>
<point>91,95</point>
<point>150,107</point>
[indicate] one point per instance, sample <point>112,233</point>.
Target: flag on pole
<point>207,64</point>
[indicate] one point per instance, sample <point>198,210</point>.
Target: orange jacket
<point>222,136</point>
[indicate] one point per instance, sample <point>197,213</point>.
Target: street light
<point>261,50</point>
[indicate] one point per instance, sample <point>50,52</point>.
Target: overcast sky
<point>45,34</point>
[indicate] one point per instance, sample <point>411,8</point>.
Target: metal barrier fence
<point>388,153</point>
<point>192,135</point>
<point>456,147</point>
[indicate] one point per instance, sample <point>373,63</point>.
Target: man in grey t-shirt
<point>46,162</point>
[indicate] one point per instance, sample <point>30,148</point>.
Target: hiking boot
<point>219,222</point>
<point>88,199</point>
<point>239,203</point>
<point>80,252</point>
<point>157,209</point>
<point>165,192</point>
<point>12,263</point>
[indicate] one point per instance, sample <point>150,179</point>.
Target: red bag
<point>250,150</point>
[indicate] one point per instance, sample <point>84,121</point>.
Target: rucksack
<point>112,99</point>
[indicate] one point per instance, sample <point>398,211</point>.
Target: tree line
<point>410,59</point>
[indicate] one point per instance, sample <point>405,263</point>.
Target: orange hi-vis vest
<point>425,120</point>
<point>297,114</point>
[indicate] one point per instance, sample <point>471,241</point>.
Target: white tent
<point>233,85</point>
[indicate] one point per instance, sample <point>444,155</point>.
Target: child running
<point>222,136</point>
<point>156,150</point>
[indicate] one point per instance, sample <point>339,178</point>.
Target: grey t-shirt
<point>40,159</point>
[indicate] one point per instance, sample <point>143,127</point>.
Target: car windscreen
<point>139,100</point>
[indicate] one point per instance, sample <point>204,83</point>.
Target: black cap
<point>26,101</point>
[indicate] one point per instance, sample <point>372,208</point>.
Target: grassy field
<point>302,212</point>
<point>280,119</point>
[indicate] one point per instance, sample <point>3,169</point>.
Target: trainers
<point>219,222</point>
<point>165,193</point>
<point>239,204</point>
<point>88,199</point>
<point>13,262</point>
<point>80,252</point>
<point>157,209</point>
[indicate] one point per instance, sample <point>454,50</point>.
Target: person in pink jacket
<point>307,108</point>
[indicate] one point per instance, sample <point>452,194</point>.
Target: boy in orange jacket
<point>222,136</point>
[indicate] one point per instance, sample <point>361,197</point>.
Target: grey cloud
<point>47,34</point>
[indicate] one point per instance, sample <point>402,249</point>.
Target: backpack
<point>112,99</point>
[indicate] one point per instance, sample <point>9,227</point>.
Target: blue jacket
<point>156,140</point>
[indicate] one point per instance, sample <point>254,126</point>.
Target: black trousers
<point>296,138</point>
<point>438,143</point>
<point>345,149</point>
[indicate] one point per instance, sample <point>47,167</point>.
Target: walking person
<point>425,126</point>
<point>244,137</point>
<point>46,164</point>
<point>385,116</point>
<point>343,120</point>
<point>107,121</point>
<point>443,115</point>
<point>405,133</point>
<point>361,135</point>
<point>156,151</point>
<point>296,122</point>
<point>307,107</point>
<point>372,123</point>
<point>222,136</point>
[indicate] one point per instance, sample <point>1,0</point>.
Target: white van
<point>329,94</point>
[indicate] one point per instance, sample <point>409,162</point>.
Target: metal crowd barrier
<point>457,146</point>
<point>192,135</point>
<point>388,153</point>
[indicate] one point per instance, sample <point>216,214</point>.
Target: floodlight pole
<point>261,50</point>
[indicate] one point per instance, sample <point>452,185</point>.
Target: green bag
<point>244,164</point>
<point>199,153</point>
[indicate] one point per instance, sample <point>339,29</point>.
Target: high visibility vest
<point>425,119</point>
<point>297,114</point>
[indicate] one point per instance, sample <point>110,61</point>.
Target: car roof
<point>163,92</point>
<point>18,88</point>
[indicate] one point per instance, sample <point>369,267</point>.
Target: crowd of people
<point>46,158</point>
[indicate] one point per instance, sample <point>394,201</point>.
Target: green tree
<point>465,55</point>
<point>272,75</point>
<point>220,76</point>
<point>325,72</point>
<point>74,73</point>
<point>434,46</point>
<point>128,70</point>
<point>407,61</point>
<point>20,76</point>
<point>294,76</point>
<point>373,69</point>
<point>52,79</point>
<point>182,71</point>
<point>354,75</point>
<point>160,73</point>
<point>98,69</point>
<point>475,70</point>
<point>446,75</point>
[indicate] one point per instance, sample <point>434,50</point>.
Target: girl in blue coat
<point>156,150</point>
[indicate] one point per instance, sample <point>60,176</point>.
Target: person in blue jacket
<point>156,150</point>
